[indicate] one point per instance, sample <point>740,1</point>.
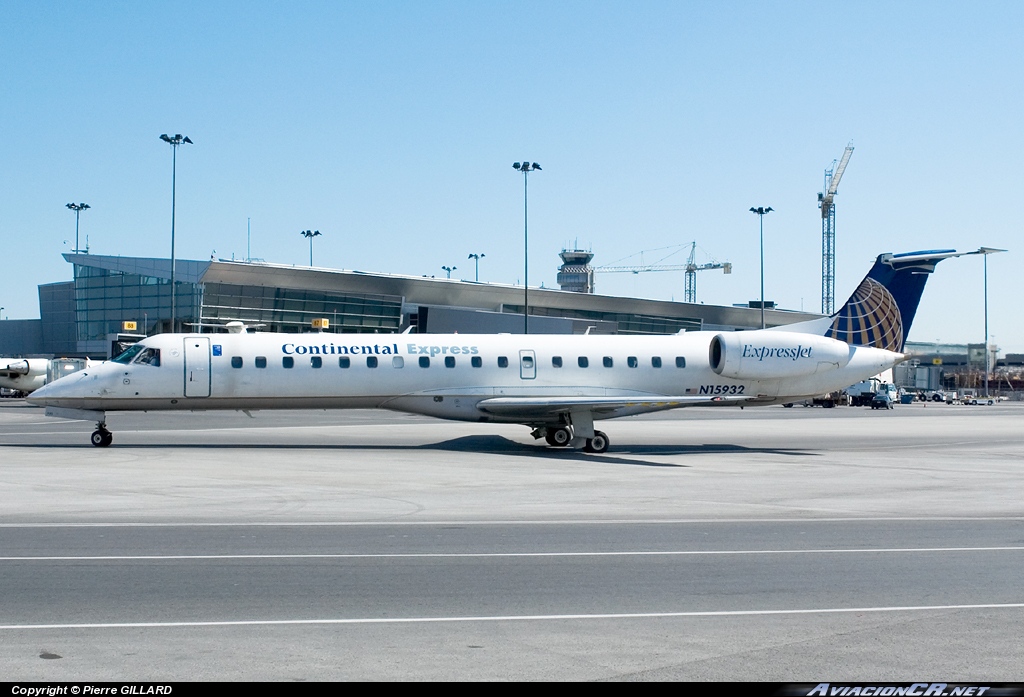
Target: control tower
<point>576,274</point>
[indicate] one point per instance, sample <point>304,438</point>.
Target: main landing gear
<point>598,444</point>
<point>558,437</point>
<point>101,437</point>
<point>563,437</point>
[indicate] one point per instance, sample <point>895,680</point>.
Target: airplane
<point>557,385</point>
<point>23,374</point>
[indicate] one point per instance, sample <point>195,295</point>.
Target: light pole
<point>984,252</point>
<point>310,234</point>
<point>174,141</point>
<point>77,208</point>
<point>476,258</point>
<point>448,270</point>
<point>761,211</point>
<point>526,168</point>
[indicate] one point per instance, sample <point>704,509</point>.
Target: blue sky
<point>391,127</point>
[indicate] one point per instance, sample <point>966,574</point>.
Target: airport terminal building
<point>83,316</point>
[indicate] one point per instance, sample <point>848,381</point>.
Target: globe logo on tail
<point>870,318</point>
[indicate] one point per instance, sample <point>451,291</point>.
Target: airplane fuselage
<point>559,385</point>
<point>456,376</point>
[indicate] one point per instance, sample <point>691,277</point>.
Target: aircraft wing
<point>543,406</point>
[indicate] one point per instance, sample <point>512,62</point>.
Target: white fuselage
<point>338,371</point>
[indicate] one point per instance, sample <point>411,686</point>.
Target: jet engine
<point>15,368</point>
<point>767,355</point>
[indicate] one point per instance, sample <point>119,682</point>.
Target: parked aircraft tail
<point>882,308</point>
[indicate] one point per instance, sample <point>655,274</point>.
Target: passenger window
<point>655,361</point>
<point>316,362</point>
<point>449,361</point>
<point>476,362</point>
<point>607,360</point>
<point>371,361</point>
<point>236,361</point>
<point>502,361</point>
<point>397,362</point>
<point>556,361</point>
<point>344,362</point>
<point>632,362</point>
<point>680,362</point>
<point>583,361</point>
<point>261,361</point>
<point>424,362</point>
<point>287,362</point>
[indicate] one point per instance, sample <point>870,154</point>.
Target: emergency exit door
<point>197,366</point>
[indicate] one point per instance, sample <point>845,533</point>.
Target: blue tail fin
<point>881,310</point>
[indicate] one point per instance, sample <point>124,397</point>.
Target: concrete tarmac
<point>779,544</point>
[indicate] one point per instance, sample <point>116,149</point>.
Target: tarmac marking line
<point>491,555</point>
<point>473,523</point>
<point>511,618</point>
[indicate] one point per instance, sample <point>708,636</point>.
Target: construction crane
<point>828,230</point>
<point>690,267</point>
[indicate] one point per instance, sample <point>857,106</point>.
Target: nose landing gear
<point>101,437</point>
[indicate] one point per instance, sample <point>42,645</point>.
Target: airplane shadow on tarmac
<point>499,445</point>
<point>504,446</point>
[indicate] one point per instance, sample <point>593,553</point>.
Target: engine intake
<point>769,354</point>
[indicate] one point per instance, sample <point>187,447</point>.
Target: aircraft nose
<point>58,391</point>
<point>43,395</point>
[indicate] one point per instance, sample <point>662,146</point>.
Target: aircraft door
<point>527,365</point>
<point>197,366</point>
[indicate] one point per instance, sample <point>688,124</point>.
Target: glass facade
<point>105,298</point>
<point>293,310</point>
<point>111,291</point>
<point>627,323</point>
<point>57,313</point>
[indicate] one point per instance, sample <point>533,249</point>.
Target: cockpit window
<point>129,353</point>
<point>150,356</point>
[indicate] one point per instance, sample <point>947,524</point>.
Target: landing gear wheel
<point>101,438</point>
<point>598,444</point>
<point>558,437</point>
